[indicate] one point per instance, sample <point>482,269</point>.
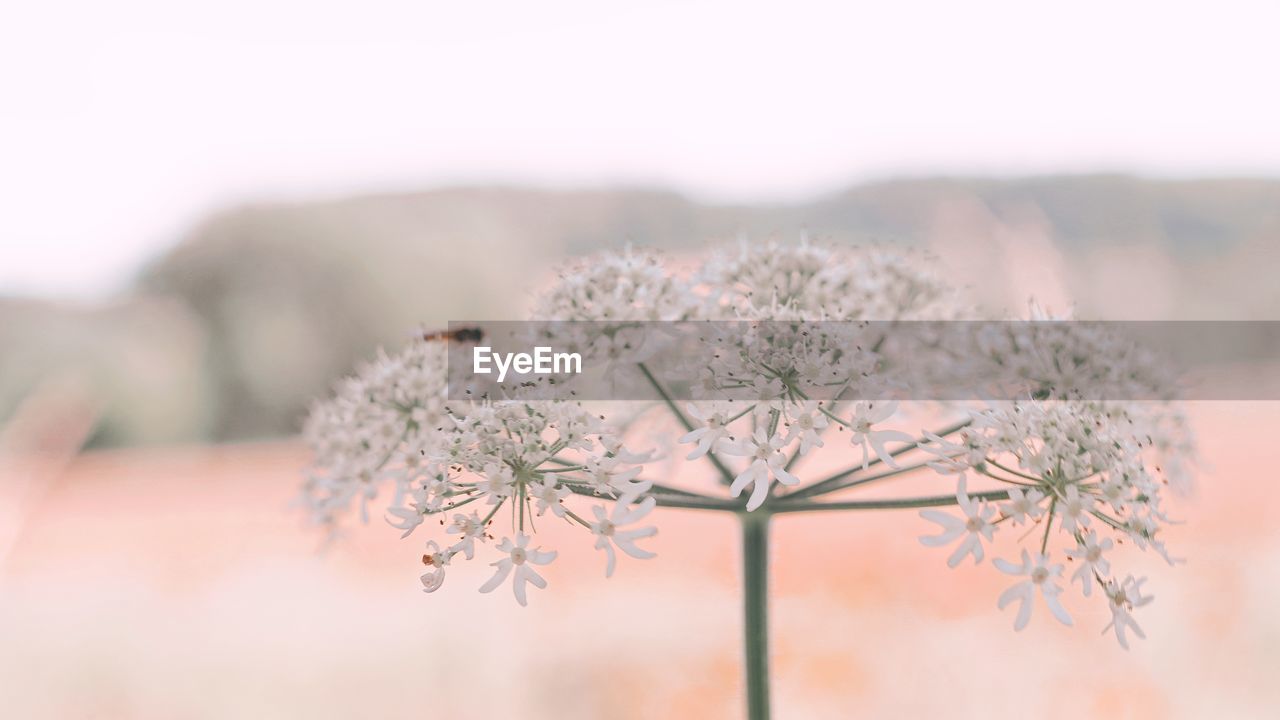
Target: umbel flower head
<point>808,374</point>
<point>468,461</point>
<point>1085,475</point>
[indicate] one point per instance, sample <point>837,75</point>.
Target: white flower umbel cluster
<point>631,285</point>
<point>1064,360</point>
<point>795,359</point>
<point>391,428</point>
<point>375,428</point>
<point>818,281</point>
<point>775,381</point>
<point>615,296</point>
<point>1078,478</point>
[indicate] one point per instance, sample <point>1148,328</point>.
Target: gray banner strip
<point>826,361</point>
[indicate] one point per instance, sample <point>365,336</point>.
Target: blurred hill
<point>287,297</point>
<point>137,363</point>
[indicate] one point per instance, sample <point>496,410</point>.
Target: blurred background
<point>211,211</point>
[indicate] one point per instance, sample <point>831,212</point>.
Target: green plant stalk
<point>755,610</point>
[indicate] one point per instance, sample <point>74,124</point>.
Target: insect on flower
<point>460,335</point>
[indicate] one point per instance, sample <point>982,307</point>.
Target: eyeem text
<point>541,362</point>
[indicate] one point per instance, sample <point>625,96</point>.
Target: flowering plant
<point>1079,474</point>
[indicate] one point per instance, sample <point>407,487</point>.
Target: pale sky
<point>124,123</point>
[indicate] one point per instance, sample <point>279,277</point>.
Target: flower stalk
<point>755,611</point>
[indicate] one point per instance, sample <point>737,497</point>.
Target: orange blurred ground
<point>180,584</point>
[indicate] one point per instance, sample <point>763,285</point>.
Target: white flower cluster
<point>1062,360</point>
<point>382,417</point>
<point>816,281</point>
<point>1090,474</point>
<point>807,292</point>
<point>391,427</point>
<point>616,295</point>
<point>633,285</point>
<point>805,307</point>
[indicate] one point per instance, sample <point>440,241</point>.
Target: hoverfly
<point>461,335</point>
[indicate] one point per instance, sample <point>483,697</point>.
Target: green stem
<point>1048,525</point>
<point>755,606</point>
<point>834,484</point>
<point>822,487</point>
<point>492,512</point>
<point>892,504</point>
<point>665,499</point>
<point>1013,472</point>
<point>725,474</point>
